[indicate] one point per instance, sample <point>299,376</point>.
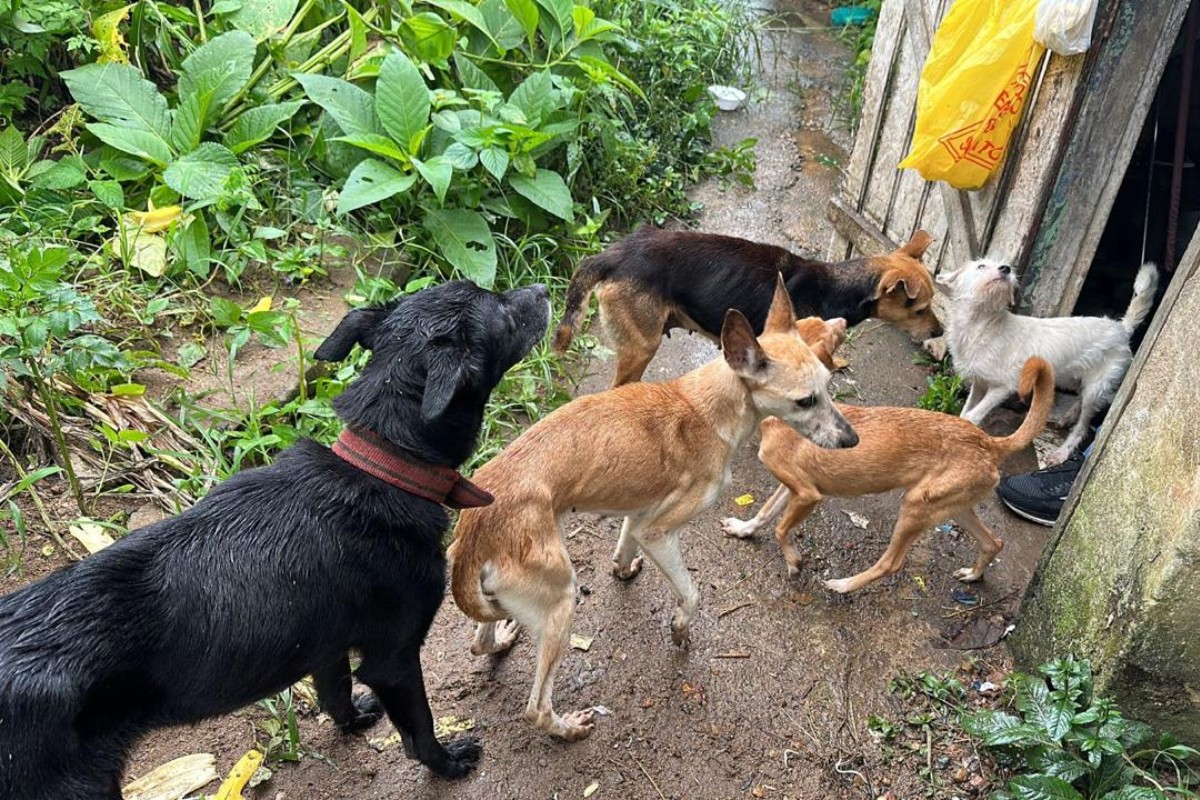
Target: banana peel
<point>175,779</point>
<point>239,776</point>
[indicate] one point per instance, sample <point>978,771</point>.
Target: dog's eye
<point>982,266</point>
<point>807,402</point>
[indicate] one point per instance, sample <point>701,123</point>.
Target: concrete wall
<point>1120,583</point>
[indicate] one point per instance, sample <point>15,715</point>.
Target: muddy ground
<point>772,700</point>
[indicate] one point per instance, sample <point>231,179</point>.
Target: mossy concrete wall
<point>1121,582</point>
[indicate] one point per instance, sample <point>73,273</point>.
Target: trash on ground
<point>591,788</point>
<point>174,779</point>
<point>850,15</point>
<point>582,642</point>
<point>857,520</point>
<point>727,98</point>
<point>963,597</point>
<point>744,500</point>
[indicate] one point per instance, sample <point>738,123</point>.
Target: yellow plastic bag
<point>972,89</point>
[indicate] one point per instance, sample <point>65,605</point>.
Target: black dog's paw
<point>367,711</point>
<point>462,756</point>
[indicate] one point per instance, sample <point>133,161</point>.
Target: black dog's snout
<point>1004,269</point>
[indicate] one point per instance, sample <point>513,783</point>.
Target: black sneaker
<point>1039,496</point>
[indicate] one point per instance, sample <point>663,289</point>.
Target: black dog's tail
<point>591,270</point>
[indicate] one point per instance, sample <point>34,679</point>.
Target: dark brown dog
<point>654,280</point>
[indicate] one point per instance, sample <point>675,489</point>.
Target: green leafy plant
<point>1064,743</point>
<point>43,336</point>
<point>280,729</point>
<point>946,393</point>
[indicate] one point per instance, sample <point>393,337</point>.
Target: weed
<point>861,39</point>
<point>280,729</point>
<point>946,391</point>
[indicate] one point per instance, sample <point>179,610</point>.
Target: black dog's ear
<point>357,327</point>
<point>446,371</point>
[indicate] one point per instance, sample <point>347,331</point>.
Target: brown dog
<point>657,453</point>
<point>945,465</point>
<point>654,280</point>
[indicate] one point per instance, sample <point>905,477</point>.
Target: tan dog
<point>657,453</point>
<point>945,465</point>
<point>653,281</point>
<point>823,337</point>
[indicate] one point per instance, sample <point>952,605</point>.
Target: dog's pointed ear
<point>782,316</point>
<point>739,345</point>
<point>357,327</point>
<point>446,371</point>
<point>945,280</point>
<point>916,246</point>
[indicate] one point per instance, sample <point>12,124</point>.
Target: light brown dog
<point>653,281</point>
<point>823,337</point>
<point>945,465</point>
<point>657,453</point>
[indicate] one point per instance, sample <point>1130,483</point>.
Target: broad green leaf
<point>1053,712</point>
<point>462,10</point>
<point>208,78</point>
<point>437,172</point>
<point>428,37</point>
<point>472,76</point>
<point>263,18</point>
<point>997,727</point>
<point>461,156</point>
<point>603,72</point>
<point>402,99</point>
<point>587,27</point>
<point>546,190</point>
<point>503,28</point>
<point>495,161</point>
<point>375,143</point>
<point>202,173</point>
<point>1059,764</point>
<point>1042,787</point>
<point>370,182</point>
<point>358,33</point>
<point>66,173</point>
<point>191,354</point>
<point>12,152</point>
<point>135,141</point>
<point>536,97</point>
<point>466,242</point>
<point>349,106</point>
<point>109,193</point>
<point>1135,793</point>
<point>526,13</point>
<point>193,247</point>
<point>225,313</point>
<point>559,13</point>
<point>119,95</point>
<point>256,125</point>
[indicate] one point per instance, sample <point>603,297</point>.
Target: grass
<point>946,391</point>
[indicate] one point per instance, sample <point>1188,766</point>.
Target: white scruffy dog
<point>990,344</point>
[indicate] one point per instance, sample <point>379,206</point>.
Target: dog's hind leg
<point>994,396</point>
<point>351,713</point>
<point>745,529</point>
<point>1094,394</point>
<point>394,672</point>
<point>554,633</point>
<point>989,544</point>
<point>974,394</point>
<point>915,519</point>
<point>633,322</point>
<point>663,550</point>
<point>626,562</point>
<point>494,637</point>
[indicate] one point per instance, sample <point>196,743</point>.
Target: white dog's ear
<point>946,279</point>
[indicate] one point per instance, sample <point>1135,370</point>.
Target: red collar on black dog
<point>378,457</point>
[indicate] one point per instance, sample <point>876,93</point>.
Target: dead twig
<point>648,776</point>
<point>738,607</point>
<point>959,612</point>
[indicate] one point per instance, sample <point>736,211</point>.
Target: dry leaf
<point>175,779</point>
<point>92,536</point>
<point>445,726</point>
<point>581,642</point>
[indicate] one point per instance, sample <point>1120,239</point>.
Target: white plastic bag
<point>1065,26</point>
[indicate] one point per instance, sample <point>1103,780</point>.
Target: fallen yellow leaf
<point>445,726</point>
<point>92,536</point>
<point>263,304</point>
<point>744,500</point>
<point>917,579</point>
<point>175,779</point>
<point>154,220</point>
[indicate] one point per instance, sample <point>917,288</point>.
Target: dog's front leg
<point>994,396</point>
<point>335,692</point>
<point>745,529</point>
<point>626,562</point>
<point>663,550</point>
<point>400,685</point>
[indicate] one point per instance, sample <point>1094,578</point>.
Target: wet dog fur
<point>944,464</point>
<point>989,344</point>
<point>655,280</point>
<point>278,573</point>
<point>655,453</point>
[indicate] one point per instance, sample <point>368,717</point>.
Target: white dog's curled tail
<point>1144,287</point>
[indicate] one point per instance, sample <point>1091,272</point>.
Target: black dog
<point>654,280</point>
<point>278,572</point>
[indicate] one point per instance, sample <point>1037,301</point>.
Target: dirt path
<point>788,720</point>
